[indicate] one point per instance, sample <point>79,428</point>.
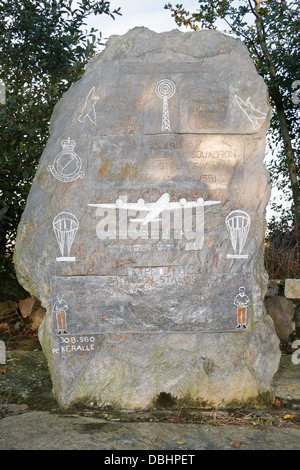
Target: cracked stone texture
<point>148,315</point>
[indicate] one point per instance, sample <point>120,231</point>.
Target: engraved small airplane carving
<point>88,110</point>
<point>252,114</point>
<point>154,209</point>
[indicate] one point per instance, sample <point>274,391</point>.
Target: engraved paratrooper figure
<point>241,302</point>
<point>60,308</point>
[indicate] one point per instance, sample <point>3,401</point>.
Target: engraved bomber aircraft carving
<point>88,110</point>
<point>252,113</point>
<point>154,209</point>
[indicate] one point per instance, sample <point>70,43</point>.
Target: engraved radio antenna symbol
<point>165,89</point>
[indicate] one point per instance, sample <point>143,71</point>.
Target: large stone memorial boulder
<point>144,229</point>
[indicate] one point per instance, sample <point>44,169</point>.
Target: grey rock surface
<point>286,382</point>
<point>292,288</point>
<point>44,431</point>
<point>282,312</point>
<point>139,301</point>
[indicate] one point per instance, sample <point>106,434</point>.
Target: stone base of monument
<point>143,233</point>
<point>197,370</point>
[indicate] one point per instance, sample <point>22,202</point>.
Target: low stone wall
<point>283,305</point>
<point>13,312</point>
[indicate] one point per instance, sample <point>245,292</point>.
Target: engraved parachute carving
<point>238,225</point>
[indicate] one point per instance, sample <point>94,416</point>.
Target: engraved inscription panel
<point>138,160</point>
<point>208,106</point>
<point>121,110</point>
<point>142,301</point>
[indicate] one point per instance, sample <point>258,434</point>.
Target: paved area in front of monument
<point>31,419</point>
<point>37,430</point>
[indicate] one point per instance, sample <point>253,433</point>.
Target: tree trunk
<point>276,96</point>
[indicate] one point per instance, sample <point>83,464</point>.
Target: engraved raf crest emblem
<point>67,165</point>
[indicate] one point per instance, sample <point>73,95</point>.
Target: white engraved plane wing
<point>177,205</point>
<point>154,209</point>
<point>149,206</point>
<point>126,205</point>
<point>189,204</point>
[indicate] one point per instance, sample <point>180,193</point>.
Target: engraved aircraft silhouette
<point>88,110</point>
<point>252,114</point>
<point>155,208</point>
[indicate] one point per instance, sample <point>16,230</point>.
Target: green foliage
<point>44,49</point>
<point>256,420</point>
<point>270,30</point>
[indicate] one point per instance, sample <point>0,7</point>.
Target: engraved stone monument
<point>144,229</point>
